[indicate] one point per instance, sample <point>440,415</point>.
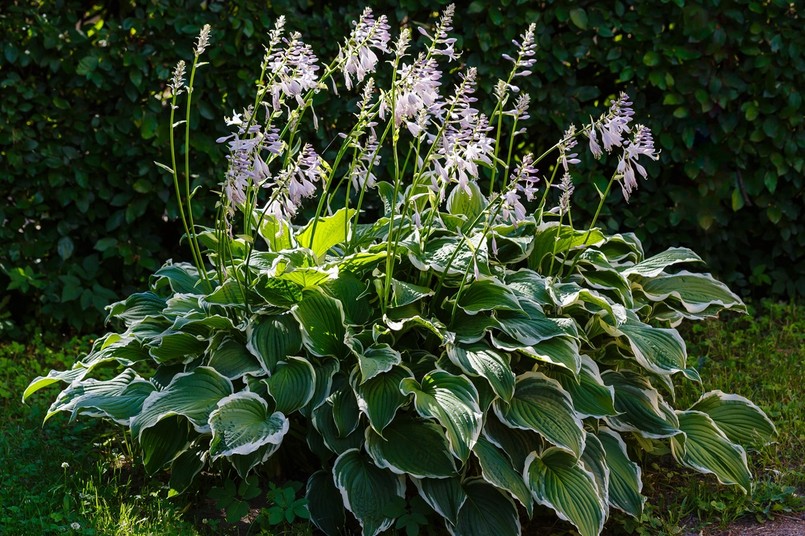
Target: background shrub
<point>86,215</point>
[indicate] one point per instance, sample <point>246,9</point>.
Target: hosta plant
<point>464,342</point>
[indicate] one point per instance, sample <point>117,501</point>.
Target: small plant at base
<point>284,505</point>
<point>459,347</point>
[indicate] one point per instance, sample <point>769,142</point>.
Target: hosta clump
<point>468,345</point>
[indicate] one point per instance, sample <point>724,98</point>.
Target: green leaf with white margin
<point>292,384</point>
<point>353,293</point>
<point>740,420</point>
<point>404,293</point>
<point>325,370</point>
<point>400,322</point>
<point>191,394</point>
<point>241,424</point>
<point>591,397</point>
<point>377,359</point>
<point>322,234</point>
<point>542,405</point>
<point>345,410</point>
<point>641,408</point>
<point>184,470</point>
<point>547,240</point>
<point>182,277</point>
<point>322,321</point>
<point>444,495</point>
<point>411,447</point>
<point>696,292</point>
<point>487,295</point>
<point>528,284</point>
<point>565,295</point>
<point>325,424</point>
<point>310,276</point>
<point>530,326</point>
<point>380,397</point>
<point>625,482</point>
<point>561,483</point>
<point>705,448</point>
<point>366,490</point>
<point>486,511</point>
<point>594,460</point>
<point>496,468</point>
<point>659,350</point>
<point>654,266</point>
<point>481,360</point>
<point>136,307</point>
<point>244,463</point>
<point>560,351</point>
<point>233,360</point>
<point>118,399</point>
<point>230,293</point>
<point>453,401</point>
<point>515,442</point>
<point>272,338</point>
<point>164,442</point>
<point>177,347</point>
<point>325,504</point>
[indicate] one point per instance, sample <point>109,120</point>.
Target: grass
<point>84,477</point>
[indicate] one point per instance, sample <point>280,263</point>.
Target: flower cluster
<point>357,55</point>
<point>522,182</point>
<point>641,143</point>
<point>295,182</point>
<point>293,71</point>
<point>611,126</point>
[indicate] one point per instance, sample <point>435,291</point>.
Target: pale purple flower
<point>641,143</point>
<point>613,125</point>
<point>441,36</point>
<point>595,148</point>
<point>293,71</point>
<point>522,182</point>
<point>361,175</point>
<point>417,89</point>
<point>293,183</point>
<point>525,53</point>
<point>566,145</point>
<point>567,188</point>
<point>520,110</point>
<point>357,55</point>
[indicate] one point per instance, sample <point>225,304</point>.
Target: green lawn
<point>84,478</point>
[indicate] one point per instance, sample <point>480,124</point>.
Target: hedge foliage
<point>87,214</point>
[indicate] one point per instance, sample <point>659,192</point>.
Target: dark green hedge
<point>86,215</point>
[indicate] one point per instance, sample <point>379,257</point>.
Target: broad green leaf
<point>440,256</point>
<point>163,442</point>
<point>740,420</point>
<point>292,384</point>
<point>404,293</point>
<point>241,424</point>
<point>480,360</point>
<point>593,459</point>
<point>540,404</point>
<point>641,408</point>
<point>182,277</point>
<point>353,294</point>
<point>468,329</point>
<point>530,326</point>
<point>591,397</point>
<point>325,370</point>
<point>244,463</point>
<point>705,448</point>
<point>185,468</point>
<point>469,204</point>
<point>272,338</point>
<point>659,350</point>
<point>277,235</point>
<point>453,401</point>
<point>322,234</point>
<point>654,266</point>
<point>413,447</point>
<point>547,240</point>
<point>516,443</point>
<point>277,292</point>
<point>380,397</point>
<point>177,347</point>
<point>322,320</point>
<point>485,511</point>
<point>696,292</point>
<point>136,307</point>
<point>377,359</point>
<point>119,399</point>
<point>599,273</point>
<point>325,425</point>
<point>77,373</point>
<point>567,295</point>
<point>528,284</point>
<point>345,410</point>
<point>487,295</point>
<point>233,360</point>
<point>561,483</point>
<point>444,495</point>
<point>366,490</point>
<point>229,294</point>
<point>497,469</point>
<point>325,504</point>
<point>191,394</point>
<point>625,483</point>
<point>309,276</point>
<point>560,351</point>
